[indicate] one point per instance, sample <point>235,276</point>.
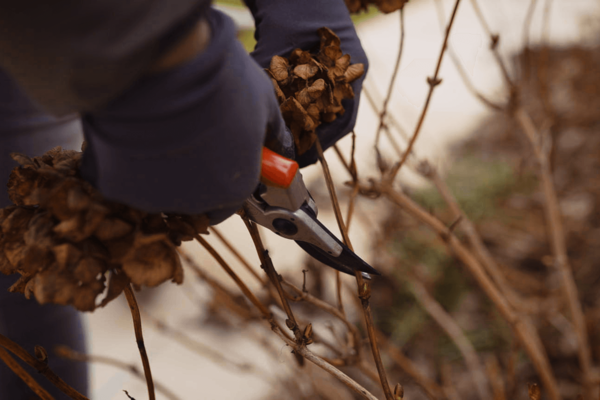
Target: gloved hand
<point>284,25</point>
<point>188,140</point>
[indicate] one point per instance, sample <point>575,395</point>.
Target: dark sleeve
<point>187,140</point>
<point>73,55</point>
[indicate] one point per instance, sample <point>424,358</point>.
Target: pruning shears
<point>282,204</point>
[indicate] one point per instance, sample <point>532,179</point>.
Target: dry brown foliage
<point>310,87</point>
<point>62,236</point>
<point>385,6</point>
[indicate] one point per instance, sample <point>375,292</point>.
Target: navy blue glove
<point>284,25</point>
<point>188,140</point>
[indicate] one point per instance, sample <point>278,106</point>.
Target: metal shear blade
<point>309,233</point>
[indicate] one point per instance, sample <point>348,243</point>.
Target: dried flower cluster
<point>63,237</point>
<point>310,88</point>
<point>385,6</point>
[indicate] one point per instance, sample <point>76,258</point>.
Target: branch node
<point>433,81</point>
<point>41,354</point>
<point>494,39</point>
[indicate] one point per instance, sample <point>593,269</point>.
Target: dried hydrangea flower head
<point>310,88</point>
<point>64,238</point>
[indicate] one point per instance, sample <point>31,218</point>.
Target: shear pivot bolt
<point>285,227</point>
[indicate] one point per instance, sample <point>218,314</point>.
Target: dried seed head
<point>62,237</point>
<point>313,92</point>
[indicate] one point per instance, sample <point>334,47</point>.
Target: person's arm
<point>78,55</point>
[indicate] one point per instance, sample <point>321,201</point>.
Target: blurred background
<point>230,353</point>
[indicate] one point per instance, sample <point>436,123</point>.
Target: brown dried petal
<point>15,252</point>
<point>293,111</point>
<point>329,54</point>
<point>19,285</point>
<point>66,255</point>
<point>5,266</point>
<point>112,228</point>
<point>154,223</point>
<point>279,68</point>
<point>22,159</point>
<point>200,223</point>
<point>278,93</point>
<point>77,199</point>
<point>306,71</point>
<point>17,222</point>
<point>355,6</point>
<point>388,6</point>
<point>68,228</point>
<point>328,37</point>
<point>303,97</point>
<point>35,259</point>
<point>341,65</point>
<point>40,231</point>
<point>120,248</point>
<point>314,113</point>
<point>185,230</point>
<point>116,284</point>
<point>152,264</point>
<point>93,217</point>
<point>50,286</point>
<point>329,117</point>
<point>21,183</point>
<point>84,297</point>
<point>354,72</point>
<point>300,56</point>
<point>88,269</point>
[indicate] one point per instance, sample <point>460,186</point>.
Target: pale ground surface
<point>452,115</point>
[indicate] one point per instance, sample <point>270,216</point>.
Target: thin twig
<point>432,82</point>
<point>447,323</point>
<point>492,268</point>
<point>494,40</point>
<point>523,328</point>
<point>267,264</point>
<point>40,367</point>
<point>328,308</point>
<point>237,254</point>
<point>253,299</point>
<point>224,296</point>
<point>431,388</point>
<point>364,288</point>
<point>198,347</point>
<point>495,377</point>
<point>21,373</point>
<point>68,353</point>
<point>319,362</point>
<point>559,247</point>
<point>461,70</point>
<point>139,338</point>
<point>527,23</point>
<point>338,217</point>
<point>392,81</point>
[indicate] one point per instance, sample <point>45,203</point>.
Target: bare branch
<point>364,288</point>
<point>21,373</point>
<point>392,81</point>
<point>66,352</point>
<point>40,367</point>
<point>447,323</point>
<point>139,338</point>
<point>433,82</point>
<point>559,247</point>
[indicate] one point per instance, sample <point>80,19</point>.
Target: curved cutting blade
<point>347,261</point>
